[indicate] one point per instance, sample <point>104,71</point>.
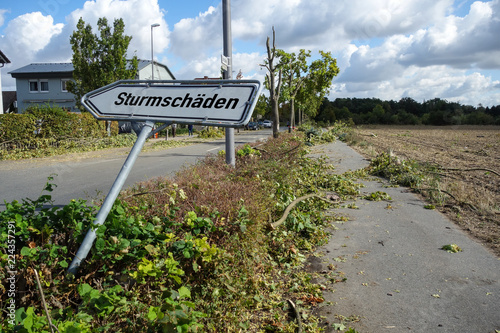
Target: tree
<point>99,60</point>
<point>317,83</point>
<point>295,71</point>
<point>262,106</point>
<point>273,83</point>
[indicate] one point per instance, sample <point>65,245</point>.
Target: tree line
<point>406,111</point>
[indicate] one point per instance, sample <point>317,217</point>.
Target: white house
<point>45,83</point>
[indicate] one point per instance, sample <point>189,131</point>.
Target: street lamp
<point>152,60</point>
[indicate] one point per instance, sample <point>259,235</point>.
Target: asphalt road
<point>398,277</point>
<point>91,178</point>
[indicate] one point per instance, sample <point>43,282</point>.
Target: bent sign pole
<point>220,103</point>
<point>84,249</point>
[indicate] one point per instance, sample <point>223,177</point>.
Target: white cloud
<point>138,15</point>
<point>196,38</point>
<point>25,39</point>
<point>29,33</point>
<point>2,18</point>
<point>209,67</point>
<point>468,42</point>
<point>426,83</point>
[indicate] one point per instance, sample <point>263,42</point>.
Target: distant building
<point>3,60</point>
<point>45,83</point>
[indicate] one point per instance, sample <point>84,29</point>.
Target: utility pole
<point>228,73</point>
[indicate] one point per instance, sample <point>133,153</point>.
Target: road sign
<point>224,62</point>
<point>227,103</point>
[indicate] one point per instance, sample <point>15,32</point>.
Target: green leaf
<point>100,244</point>
<point>64,264</point>
<point>28,321</point>
<point>25,251</point>
<point>84,289</point>
<point>152,313</point>
<point>451,248</point>
<point>120,210</point>
<point>339,327</point>
<point>184,292</point>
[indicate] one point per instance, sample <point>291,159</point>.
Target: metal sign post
<point>228,73</point>
<point>211,103</point>
<point>86,245</point>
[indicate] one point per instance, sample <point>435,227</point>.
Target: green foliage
<point>406,111</point>
<point>100,59</point>
<point>211,132</point>
<point>247,150</point>
<point>378,196</point>
<point>262,107</point>
<point>49,130</point>
<point>176,314</point>
<point>402,172</point>
<point>451,248</point>
<point>409,173</point>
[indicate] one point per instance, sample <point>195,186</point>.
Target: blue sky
<point>386,49</point>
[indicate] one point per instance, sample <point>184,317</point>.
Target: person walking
<point>190,129</point>
<point>174,129</point>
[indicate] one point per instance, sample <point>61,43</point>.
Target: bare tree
<point>273,83</point>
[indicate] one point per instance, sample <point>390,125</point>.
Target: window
<point>39,86</point>
<point>64,86</point>
<point>44,86</point>
<point>33,85</point>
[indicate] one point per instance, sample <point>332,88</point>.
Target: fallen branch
<point>289,208</point>
<point>147,192</point>
<point>451,195</point>
<point>474,169</point>
<point>52,326</point>
<point>297,315</point>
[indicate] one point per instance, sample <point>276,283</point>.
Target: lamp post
<point>228,73</point>
<point>152,59</point>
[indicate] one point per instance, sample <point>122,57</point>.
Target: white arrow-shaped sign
<point>205,102</point>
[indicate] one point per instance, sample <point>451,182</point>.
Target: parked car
<point>267,124</point>
<point>253,126</point>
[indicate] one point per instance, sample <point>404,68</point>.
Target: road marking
<point>215,148</point>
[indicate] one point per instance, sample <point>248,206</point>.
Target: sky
<point>387,49</point>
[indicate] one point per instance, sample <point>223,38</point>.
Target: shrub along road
<point>398,279</point>
<point>90,175</point>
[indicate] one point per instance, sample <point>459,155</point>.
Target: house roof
<point>57,69</point>
<point>3,58</point>
<point>48,69</point>
<point>145,63</point>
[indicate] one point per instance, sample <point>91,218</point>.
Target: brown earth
<point>470,159</point>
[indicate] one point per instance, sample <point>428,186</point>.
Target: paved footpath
<point>398,278</point>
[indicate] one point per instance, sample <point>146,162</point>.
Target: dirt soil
<point>473,201</point>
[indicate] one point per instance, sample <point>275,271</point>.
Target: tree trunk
<point>292,115</point>
<point>274,87</point>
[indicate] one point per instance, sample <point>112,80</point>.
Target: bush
<point>211,133</point>
<point>48,128</point>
